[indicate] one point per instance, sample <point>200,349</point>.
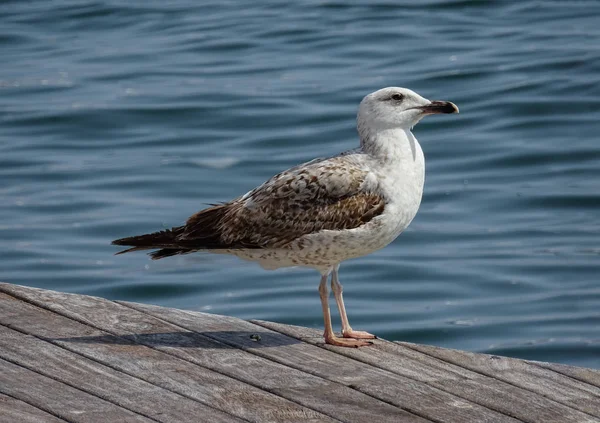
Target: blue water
<point>119,118</point>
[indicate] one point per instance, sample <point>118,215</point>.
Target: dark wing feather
<point>325,194</point>
<point>150,241</point>
<point>331,194</point>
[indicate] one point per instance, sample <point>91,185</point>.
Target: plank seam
<point>35,406</point>
<point>441,388</point>
<point>49,376</point>
<point>284,364</point>
<point>87,323</point>
<point>510,383</point>
<point>258,323</point>
<point>108,365</point>
<point>578,379</point>
<point>224,374</point>
<point>395,373</point>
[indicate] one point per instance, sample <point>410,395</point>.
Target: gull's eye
<point>397,97</point>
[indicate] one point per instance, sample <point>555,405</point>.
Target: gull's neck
<point>389,145</point>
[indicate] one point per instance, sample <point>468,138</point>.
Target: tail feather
<point>129,250</point>
<point>202,231</point>
<point>162,239</point>
<point>168,252</point>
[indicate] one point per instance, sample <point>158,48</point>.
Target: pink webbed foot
<point>358,334</point>
<point>343,342</point>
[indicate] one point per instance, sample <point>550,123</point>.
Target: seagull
<point>323,212</point>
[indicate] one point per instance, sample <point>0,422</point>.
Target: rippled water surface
<point>118,118</point>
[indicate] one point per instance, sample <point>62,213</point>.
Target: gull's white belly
<point>327,248</point>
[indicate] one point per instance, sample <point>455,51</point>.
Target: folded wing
<point>325,194</point>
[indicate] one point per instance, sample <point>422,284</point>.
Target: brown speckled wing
<point>329,194</point>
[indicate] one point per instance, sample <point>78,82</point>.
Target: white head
<point>395,107</point>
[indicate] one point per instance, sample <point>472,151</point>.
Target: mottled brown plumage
<point>325,194</point>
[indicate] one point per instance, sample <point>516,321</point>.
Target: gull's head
<point>395,107</point>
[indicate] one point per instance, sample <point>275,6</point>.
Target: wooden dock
<point>75,358</point>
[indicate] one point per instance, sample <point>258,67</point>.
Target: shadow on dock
<point>184,339</point>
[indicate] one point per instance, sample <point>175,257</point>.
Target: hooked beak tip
<point>440,107</point>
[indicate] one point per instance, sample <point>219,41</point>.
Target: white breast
<point>402,183</point>
<point>398,175</point>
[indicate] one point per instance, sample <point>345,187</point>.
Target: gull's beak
<point>436,107</point>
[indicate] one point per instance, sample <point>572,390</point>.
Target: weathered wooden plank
<point>522,373</point>
<point>96,379</point>
<point>59,399</point>
<point>316,393</point>
<point>488,391</point>
<point>406,394</point>
<point>15,411</point>
<point>583,374</point>
<point>411,395</point>
<point>313,392</point>
<point>319,393</point>
<point>442,389</point>
<point>164,370</point>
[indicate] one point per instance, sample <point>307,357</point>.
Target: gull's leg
<point>330,337</point>
<point>347,331</point>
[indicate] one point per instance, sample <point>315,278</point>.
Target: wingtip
<point>120,241</point>
<point>128,250</point>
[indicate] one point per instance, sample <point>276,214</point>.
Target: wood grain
<point>212,389</point>
<point>15,411</point>
<point>524,374</point>
<point>486,390</point>
<point>74,358</point>
<point>318,395</point>
<point>102,381</point>
<point>408,394</point>
<point>59,399</point>
<point>590,376</point>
